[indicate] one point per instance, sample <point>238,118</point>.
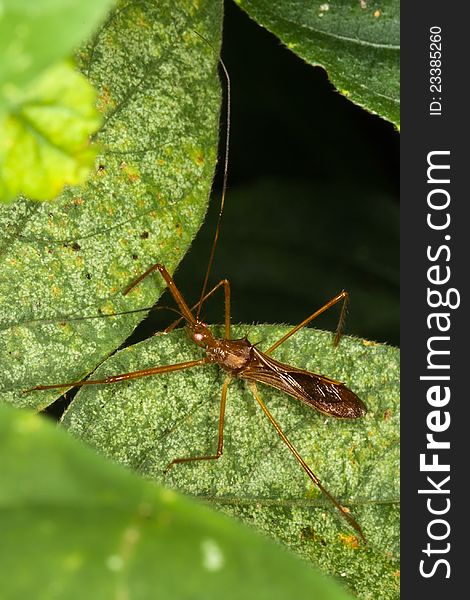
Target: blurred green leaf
<point>160,94</point>
<point>45,135</point>
<point>145,423</point>
<point>34,35</point>
<point>75,526</point>
<point>356,42</point>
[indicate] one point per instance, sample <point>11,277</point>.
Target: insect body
<point>241,359</point>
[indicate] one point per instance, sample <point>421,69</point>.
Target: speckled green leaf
<point>33,35</point>
<point>45,141</point>
<point>357,42</point>
<point>147,422</point>
<point>159,93</point>
<point>76,526</point>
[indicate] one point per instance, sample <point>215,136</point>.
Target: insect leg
<point>125,376</point>
<point>220,443</point>
<point>344,296</point>
<point>174,291</point>
<point>301,461</point>
<point>226,284</point>
<point>136,282</point>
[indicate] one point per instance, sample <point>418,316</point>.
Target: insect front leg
<point>220,442</point>
<point>222,282</point>
<point>174,291</point>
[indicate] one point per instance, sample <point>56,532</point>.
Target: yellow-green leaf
<point>45,141</point>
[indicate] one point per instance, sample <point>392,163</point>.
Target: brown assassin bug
<point>241,359</point>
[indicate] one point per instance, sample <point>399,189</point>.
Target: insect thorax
<point>231,355</point>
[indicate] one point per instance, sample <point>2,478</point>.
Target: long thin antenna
<point>224,183</point>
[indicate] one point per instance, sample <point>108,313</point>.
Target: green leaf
<point>356,42</point>
<point>76,526</point>
<point>147,422</point>
<point>34,35</point>
<point>160,95</point>
<point>45,135</point>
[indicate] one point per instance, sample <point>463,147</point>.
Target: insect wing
<point>326,395</point>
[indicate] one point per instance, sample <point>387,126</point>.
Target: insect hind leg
<point>344,513</point>
<point>342,296</point>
